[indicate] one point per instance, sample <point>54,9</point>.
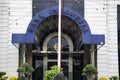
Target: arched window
<point>53,44</point>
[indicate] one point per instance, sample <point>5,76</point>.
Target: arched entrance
<point>76,35</point>
<point>72,61</point>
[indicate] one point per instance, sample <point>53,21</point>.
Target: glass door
<point>77,66</point>
<point>71,70</point>
<point>38,66</point>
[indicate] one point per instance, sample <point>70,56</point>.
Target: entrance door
<point>38,66</point>
<point>77,64</point>
<point>51,61</point>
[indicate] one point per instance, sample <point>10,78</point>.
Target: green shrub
<point>4,77</point>
<point>89,68</point>
<point>26,70</point>
<point>115,77</point>
<point>21,78</point>
<point>50,74</point>
<point>89,71</point>
<point>2,73</point>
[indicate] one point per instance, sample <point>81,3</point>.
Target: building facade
<point>30,27</point>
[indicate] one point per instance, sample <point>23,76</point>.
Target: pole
<point>59,35</point>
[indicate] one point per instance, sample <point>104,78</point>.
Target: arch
<point>87,37</point>
<point>55,34</point>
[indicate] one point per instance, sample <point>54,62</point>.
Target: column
<point>92,54</point>
<point>28,55</point>
<point>70,67</point>
<point>45,63</point>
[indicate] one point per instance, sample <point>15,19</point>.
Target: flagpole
<point>59,35</point>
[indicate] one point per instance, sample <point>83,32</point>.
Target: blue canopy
<point>87,37</point>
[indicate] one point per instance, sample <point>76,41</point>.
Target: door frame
<point>70,59</point>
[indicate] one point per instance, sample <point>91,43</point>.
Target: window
<point>53,44</point>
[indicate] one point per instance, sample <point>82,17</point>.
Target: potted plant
<point>1,74</point>
<point>26,71</point>
<point>115,78</point>
<point>89,71</point>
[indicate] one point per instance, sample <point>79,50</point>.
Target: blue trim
<point>18,38</point>
<point>94,39</point>
<point>87,37</point>
<point>22,38</point>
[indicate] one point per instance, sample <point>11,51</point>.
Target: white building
<point>101,15</point>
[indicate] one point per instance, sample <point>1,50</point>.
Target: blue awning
<point>22,38</point>
<point>87,37</point>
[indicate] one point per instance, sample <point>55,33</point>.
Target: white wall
<point>101,16</point>
<point>112,48</point>
<point>20,16</point>
<point>15,17</point>
<point>4,22</point>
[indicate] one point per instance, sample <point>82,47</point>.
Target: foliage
<point>89,71</point>
<point>4,77</point>
<point>115,77</point>
<point>13,78</point>
<point>2,73</point>
<point>21,78</point>
<point>26,69</point>
<point>103,78</point>
<point>89,68</point>
<point>50,74</point>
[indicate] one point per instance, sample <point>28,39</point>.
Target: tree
<point>26,71</point>
<point>50,74</point>
<point>89,71</point>
<point>1,74</point>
